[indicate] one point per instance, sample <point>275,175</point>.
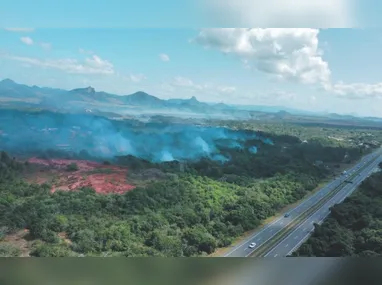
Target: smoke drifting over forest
<point>100,137</point>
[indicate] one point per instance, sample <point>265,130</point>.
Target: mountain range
<point>13,94</point>
<point>16,94</point>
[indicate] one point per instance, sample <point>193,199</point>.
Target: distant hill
<point>88,99</point>
<point>12,92</point>
<point>141,98</point>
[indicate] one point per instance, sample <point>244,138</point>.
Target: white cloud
<point>84,51</point>
<point>185,82</point>
<point>46,46</point>
<point>92,65</point>
<point>181,85</point>
<point>137,77</point>
<point>227,89</point>
<point>281,13</point>
<point>164,57</point>
<point>356,90</point>
<point>27,40</point>
<point>282,95</point>
<point>290,54</point>
<point>19,30</point>
<point>270,96</point>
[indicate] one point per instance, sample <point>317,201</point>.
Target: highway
<point>291,242</point>
<point>270,230</point>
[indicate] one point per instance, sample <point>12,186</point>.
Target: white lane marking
<point>287,245</point>
<point>296,237</point>
<point>276,255</point>
<point>308,234</point>
<point>295,209</point>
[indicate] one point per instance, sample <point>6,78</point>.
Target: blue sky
<point>190,13</point>
<point>335,70</point>
<point>99,14</point>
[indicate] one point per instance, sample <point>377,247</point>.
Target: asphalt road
<point>303,231</point>
<point>270,230</point>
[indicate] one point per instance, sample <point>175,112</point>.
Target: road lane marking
<point>287,245</point>
<point>296,209</point>
<point>276,255</point>
<point>347,194</point>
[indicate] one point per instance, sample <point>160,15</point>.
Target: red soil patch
<point>102,178</point>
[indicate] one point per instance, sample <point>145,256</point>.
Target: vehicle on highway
<point>252,245</point>
<point>268,233</point>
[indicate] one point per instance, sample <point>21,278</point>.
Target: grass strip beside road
<point>266,247</point>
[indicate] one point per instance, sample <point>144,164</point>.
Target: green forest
<point>192,213</point>
<point>347,136</point>
<point>353,228</point>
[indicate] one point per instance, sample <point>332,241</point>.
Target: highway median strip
<point>265,248</point>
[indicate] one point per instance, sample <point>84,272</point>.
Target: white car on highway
<point>252,245</point>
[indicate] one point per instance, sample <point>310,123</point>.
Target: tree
<point>199,240</point>
<point>85,241</point>
<point>72,167</point>
<point>46,250</point>
<point>8,250</point>
<point>170,246</point>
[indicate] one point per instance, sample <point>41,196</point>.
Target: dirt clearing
<point>67,175</point>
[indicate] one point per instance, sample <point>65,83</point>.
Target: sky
<point>165,52</point>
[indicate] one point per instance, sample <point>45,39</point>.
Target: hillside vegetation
<point>193,208</point>
<point>192,213</point>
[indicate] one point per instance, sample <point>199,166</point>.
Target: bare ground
<point>102,178</point>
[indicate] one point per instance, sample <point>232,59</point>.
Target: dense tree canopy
<point>198,209</point>
<point>188,216</point>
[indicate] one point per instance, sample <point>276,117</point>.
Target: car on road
<point>286,215</point>
<point>252,245</point>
